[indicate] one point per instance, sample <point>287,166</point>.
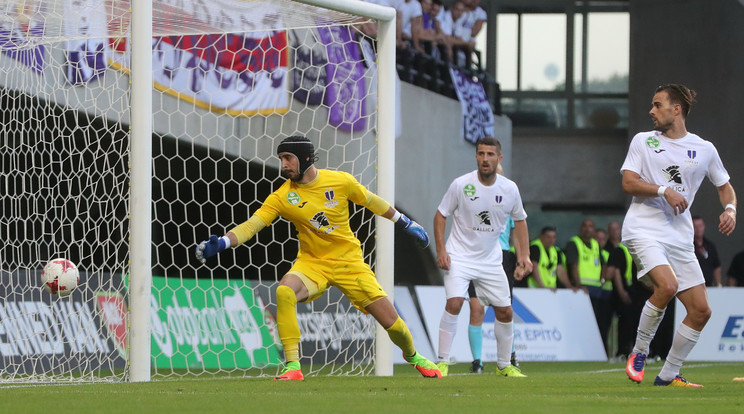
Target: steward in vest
<point>584,262</point>
<point>547,261</point>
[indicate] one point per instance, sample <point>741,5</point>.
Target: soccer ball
<point>60,277</point>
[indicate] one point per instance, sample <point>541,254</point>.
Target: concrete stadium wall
<point>697,43</point>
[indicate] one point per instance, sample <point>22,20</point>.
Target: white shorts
<point>649,254</point>
<point>491,285</point>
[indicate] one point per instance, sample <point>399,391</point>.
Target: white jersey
<point>409,10</point>
<point>680,164</point>
<point>480,213</point>
<point>463,27</point>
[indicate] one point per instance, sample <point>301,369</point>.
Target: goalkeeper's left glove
<point>414,229</point>
<point>209,248</point>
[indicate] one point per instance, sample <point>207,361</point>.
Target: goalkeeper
<point>316,202</point>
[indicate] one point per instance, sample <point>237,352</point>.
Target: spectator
<point>431,33</point>
<point>736,270</point>
<point>547,261</point>
<point>467,28</point>
<point>451,25</point>
<point>585,268</point>
<point>706,253</point>
<point>411,23</point>
<point>614,235</point>
<point>601,236</point>
<point>474,18</point>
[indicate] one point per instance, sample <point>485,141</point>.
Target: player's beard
<point>486,175</point>
<point>292,175</point>
<point>658,126</point>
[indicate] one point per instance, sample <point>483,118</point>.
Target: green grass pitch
<point>551,387</point>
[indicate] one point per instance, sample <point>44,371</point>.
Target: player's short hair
<point>679,94</point>
<point>302,148</point>
<point>491,141</point>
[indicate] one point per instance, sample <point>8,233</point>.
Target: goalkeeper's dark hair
<point>300,147</point>
<point>491,141</point>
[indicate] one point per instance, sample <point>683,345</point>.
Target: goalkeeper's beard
<point>292,175</point>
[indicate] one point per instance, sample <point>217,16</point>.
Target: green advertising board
<point>209,324</point>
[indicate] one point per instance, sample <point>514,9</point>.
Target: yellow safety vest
<point>589,265</point>
<point>547,265</point>
<point>607,284</point>
<point>628,265</point>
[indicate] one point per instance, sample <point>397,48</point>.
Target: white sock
<point>650,319</point>
<point>684,340</point>
<point>447,330</point>
<point>504,333</point>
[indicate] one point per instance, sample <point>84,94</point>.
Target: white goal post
<point>86,103</point>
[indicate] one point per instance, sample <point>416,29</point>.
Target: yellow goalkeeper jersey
<point>319,211</point>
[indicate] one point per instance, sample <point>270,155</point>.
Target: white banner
<point>723,336</point>
<point>549,326</point>
<point>407,310</point>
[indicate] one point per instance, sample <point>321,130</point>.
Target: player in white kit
<point>480,203</point>
<point>662,171</point>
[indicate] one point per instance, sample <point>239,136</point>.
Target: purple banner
<point>345,77</point>
<point>477,115</point>
<point>309,70</point>
<point>14,40</point>
<point>85,60</point>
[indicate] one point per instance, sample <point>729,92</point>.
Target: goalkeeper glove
<point>415,230</point>
<point>209,248</point>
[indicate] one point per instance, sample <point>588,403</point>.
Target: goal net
<point>229,79</point>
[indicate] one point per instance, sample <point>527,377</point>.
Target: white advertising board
<point>549,326</point>
<point>723,336</point>
<point>407,310</point>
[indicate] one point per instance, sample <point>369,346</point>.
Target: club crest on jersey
<point>469,190</point>
<point>321,223</point>
<point>498,199</point>
<point>652,142</point>
<point>330,195</point>
<point>293,198</point>
<point>691,154</point>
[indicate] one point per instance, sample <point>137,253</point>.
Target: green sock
<point>293,365</point>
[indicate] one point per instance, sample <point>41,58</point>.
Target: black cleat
<point>514,360</point>
<point>477,367</point>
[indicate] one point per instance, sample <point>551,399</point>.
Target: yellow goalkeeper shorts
<point>353,278</point>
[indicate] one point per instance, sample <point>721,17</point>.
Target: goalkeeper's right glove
<point>414,229</point>
<point>209,248</point>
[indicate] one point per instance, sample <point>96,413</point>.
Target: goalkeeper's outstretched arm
<point>234,237</point>
<point>382,208</point>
